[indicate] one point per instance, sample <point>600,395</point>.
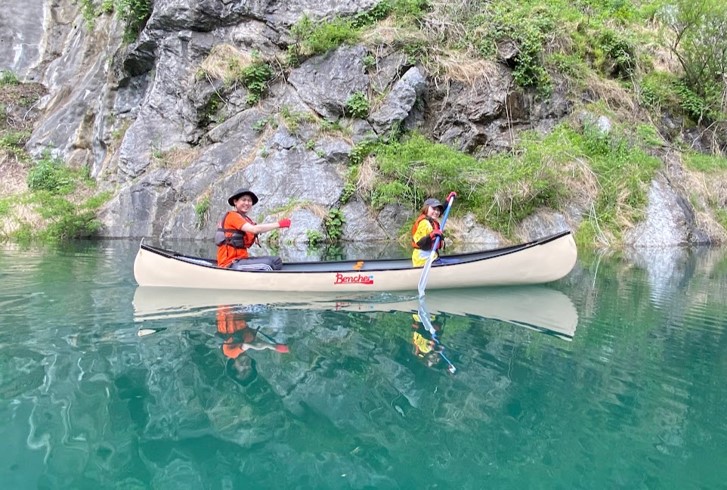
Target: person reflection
<point>238,338</point>
<point>427,331</point>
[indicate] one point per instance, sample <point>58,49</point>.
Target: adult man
<point>236,232</point>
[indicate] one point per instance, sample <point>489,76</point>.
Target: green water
<point>634,398</point>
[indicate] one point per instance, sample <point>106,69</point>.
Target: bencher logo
<point>357,279</point>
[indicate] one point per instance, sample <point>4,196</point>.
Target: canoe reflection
<point>537,307</point>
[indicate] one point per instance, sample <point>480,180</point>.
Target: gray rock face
<point>543,223</point>
<point>469,118</point>
<point>668,219</point>
<point>286,13</point>
<point>362,225</point>
<point>326,82</point>
<point>399,103</point>
<point>172,144</point>
<point>23,36</point>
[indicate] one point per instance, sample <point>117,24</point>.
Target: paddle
<point>430,259</point>
<point>282,348</point>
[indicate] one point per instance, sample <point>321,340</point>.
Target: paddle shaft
<point>430,259</point>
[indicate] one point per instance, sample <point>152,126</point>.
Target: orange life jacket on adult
<point>232,243</point>
<point>234,237</point>
<point>425,243</point>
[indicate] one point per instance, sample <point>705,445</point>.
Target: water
<point>611,378</point>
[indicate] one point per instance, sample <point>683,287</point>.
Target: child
<point>425,231</point>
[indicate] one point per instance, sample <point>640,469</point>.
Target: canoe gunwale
<point>376,265</point>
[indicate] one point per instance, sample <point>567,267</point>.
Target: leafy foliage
<point>700,44</point>
<point>312,38</point>
<point>255,77</point>
<point>314,238</point>
<point>7,77</point>
<point>510,22</point>
<point>357,105</point>
<point>134,13</point>
<point>51,175</point>
<point>50,182</point>
<point>501,190</point>
<point>201,210</point>
<point>624,172</point>
<point>333,223</point>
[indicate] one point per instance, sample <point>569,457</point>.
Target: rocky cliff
<point>159,126</point>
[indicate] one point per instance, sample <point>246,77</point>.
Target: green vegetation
<point>504,189</point>
<point>698,40</point>
<point>333,223</point>
<point>349,189</point>
<point>293,119</point>
<point>357,105</point>
<point>606,49</point>
<point>722,217</point>
<point>705,163</point>
<point>60,215</point>
<point>261,124</point>
<point>133,13</point>
<point>13,142</point>
<point>209,113</point>
<point>5,207</point>
<point>232,67</point>
<point>7,77</point>
<point>255,77</point>
<point>623,171</point>
<point>201,210</point>
<point>500,190</point>
<point>312,37</point>
<point>315,238</point>
<point>89,13</point>
<point>65,220</point>
<point>541,39</point>
<point>50,175</point>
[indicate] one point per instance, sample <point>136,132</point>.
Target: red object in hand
<point>451,195</point>
<point>282,348</point>
<point>284,223</point>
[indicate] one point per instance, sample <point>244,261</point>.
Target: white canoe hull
<point>541,261</point>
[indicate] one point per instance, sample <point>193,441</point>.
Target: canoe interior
<point>364,265</point>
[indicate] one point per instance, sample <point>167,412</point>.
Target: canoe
<point>540,261</point>
<point>540,308</point>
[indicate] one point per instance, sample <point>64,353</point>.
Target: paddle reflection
<point>427,338</point>
<point>238,337</point>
